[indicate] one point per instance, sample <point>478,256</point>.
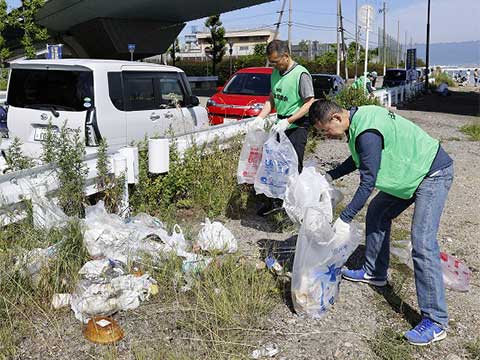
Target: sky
<point>451,20</point>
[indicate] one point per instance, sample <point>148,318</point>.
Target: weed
<point>444,78</point>
<point>473,349</point>
<point>230,298</point>
<point>472,130</point>
<point>397,234</point>
<point>203,179</point>
<point>15,158</point>
<point>389,345</point>
<point>314,137</point>
<point>112,187</point>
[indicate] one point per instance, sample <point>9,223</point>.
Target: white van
<point>119,101</point>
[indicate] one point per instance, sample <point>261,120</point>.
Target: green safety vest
<point>407,154</point>
<point>285,91</point>
<point>359,83</point>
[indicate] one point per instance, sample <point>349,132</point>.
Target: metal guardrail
<point>397,95</point>
<point>18,186</point>
<point>3,97</point>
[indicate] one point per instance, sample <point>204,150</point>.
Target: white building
<point>242,42</point>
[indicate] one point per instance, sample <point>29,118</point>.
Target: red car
<point>242,96</point>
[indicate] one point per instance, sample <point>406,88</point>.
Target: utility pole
<point>290,26</point>
<point>366,49</point>
<point>344,49</point>
<point>356,39</point>
<point>384,11</point>
<point>280,15</point>
<point>405,52</point>
<point>338,37</point>
<point>398,43</point>
<point>427,47</point>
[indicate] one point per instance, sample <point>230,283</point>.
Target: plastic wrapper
<point>215,236</point>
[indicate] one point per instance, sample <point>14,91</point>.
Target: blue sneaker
<point>361,276</point>
<point>426,332</point>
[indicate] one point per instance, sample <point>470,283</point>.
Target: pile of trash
<point>106,286</point>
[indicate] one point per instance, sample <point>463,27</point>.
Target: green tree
<point>4,52</point>
<point>260,50</point>
<point>24,18</point>
<point>217,41</point>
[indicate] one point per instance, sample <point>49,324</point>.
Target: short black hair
<point>322,110</point>
<point>278,46</point>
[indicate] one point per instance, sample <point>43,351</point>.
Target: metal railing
<point>18,186</point>
<point>399,94</point>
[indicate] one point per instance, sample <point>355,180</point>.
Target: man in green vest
<point>360,83</point>
<point>291,96</point>
<point>408,167</point>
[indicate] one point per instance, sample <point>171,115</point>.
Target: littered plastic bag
<point>319,256</point>
<point>250,156</point>
<point>215,236</point>
<point>309,189</point>
<point>279,163</point>
<point>456,275</point>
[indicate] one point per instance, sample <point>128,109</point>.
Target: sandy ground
<point>361,312</point>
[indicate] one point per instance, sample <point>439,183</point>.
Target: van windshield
<point>46,89</point>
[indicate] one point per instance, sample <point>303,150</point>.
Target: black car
<point>325,84</point>
<point>395,77</point>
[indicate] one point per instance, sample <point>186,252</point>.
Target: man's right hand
<point>257,124</point>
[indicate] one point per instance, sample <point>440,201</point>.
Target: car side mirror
<point>219,88</point>
<point>194,101</point>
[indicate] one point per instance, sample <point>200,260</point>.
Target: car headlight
<point>210,102</point>
<point>257,106</point>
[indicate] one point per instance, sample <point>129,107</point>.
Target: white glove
<point>257,124</point>
<point>341,227</point>
<point>282,125</point>
<point>328,178</point>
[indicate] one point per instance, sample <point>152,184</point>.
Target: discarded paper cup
<point>103,330</point>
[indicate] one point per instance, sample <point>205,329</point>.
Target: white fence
<point>3,97</point>
<point>398,95</point>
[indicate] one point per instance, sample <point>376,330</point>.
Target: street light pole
<point>230,51</point>
<point>427,47</point>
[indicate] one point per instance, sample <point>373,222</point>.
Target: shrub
<point>348,97</point>
<point>444,78</point>
<point>203,179</point>
<point>15,158</point>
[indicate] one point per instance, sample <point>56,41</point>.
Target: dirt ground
<point>359,320</point>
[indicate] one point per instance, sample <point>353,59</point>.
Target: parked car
<point>395,77</point>
<point>326,84</point>
<point>118,101</point>
<point>242,96</point>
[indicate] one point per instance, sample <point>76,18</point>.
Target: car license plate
<point>229,120</point>
<point>40,133</point>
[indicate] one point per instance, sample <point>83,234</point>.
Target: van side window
<point>140,93</point>
<point>171,90</point>
<point>115,90</point>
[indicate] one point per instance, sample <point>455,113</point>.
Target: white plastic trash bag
<point>456,275</point>
<point>215,236</point>
<point>108,235</point>
<point>319,256</point>
<point>309,189</point>
<point>250,156</point>
<point>46,214</point>
<point>279,163</point>
<point>106,289</point>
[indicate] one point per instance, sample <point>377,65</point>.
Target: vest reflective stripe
<point>408,151</point>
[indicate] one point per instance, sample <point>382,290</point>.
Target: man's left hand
<point>282,125</point>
